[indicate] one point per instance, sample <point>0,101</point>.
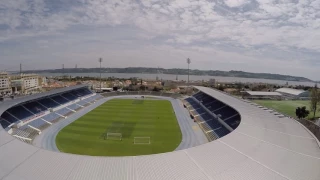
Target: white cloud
<point>235,26</point>
<point>236,3</point>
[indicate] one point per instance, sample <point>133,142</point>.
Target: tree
<point>142,87</point>
<point>302,112</point>
<point>156,89</point>
<point>221,88</point>
<point>314,100</point>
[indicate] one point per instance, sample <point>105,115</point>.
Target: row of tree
<point>314,100</point>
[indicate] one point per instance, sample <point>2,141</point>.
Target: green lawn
<point>287,107</point>
<point>132,118</point>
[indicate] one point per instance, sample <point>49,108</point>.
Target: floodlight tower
<point>62,70</point>
<point>188,61</point>
<point>20,70</point>
<point>100,61</point>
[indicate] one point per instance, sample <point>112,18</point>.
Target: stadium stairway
<point>24,135</point>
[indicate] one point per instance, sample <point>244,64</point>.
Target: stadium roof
<point>291,91</point>
<point>260,93</point>
<point>13,102</point>
<point>263,147</point>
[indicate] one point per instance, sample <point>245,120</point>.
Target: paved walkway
<point>191,133</point>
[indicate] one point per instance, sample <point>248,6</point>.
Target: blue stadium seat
<point>69,96</point>
<point>222,131</point>
<point>200,110</point>
<point>74,106</point>
<point>98,96</point>
<point>48,103</point>
<point>231,116</point>
<point>34,107</point>
<point>214,124</point>
<point>220,108</point>
<point>4,123</point>
<point>225,112</point>
<point>82,92</point>
<point>51,117</point>
<point>82,103</point>
<point>31,109</point>
<point>59,99</point>
<point>37,123</point>
<point>233,121</point>
<point>20,112</point>
<point>8,117</point>
<point>63,111</point>
<point>89,99</point>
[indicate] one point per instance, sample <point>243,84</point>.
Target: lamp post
<point>100,61</point>
<point>188,61</point>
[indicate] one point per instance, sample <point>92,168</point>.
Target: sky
<point>270,36</point>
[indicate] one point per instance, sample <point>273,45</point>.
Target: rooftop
<point>291,91</point>
<point>261,93</point>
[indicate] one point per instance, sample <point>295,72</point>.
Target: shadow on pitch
<point>125,128</point>
<point>138,101</point>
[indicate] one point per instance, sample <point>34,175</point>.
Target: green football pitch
<point>286,107</point>
<point>132,118</point>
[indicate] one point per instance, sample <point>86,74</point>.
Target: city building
<point>293,93</point>
<point>5,85</point>
<point>212,82</point>
<point>26,83</point>
<point>261,95</point>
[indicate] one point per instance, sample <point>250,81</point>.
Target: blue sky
<point>273,36</point>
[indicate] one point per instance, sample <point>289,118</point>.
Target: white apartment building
<point>26,83</point>
<point>5,85</point>
<point>30,82</point>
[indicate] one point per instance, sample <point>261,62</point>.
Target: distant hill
<point>147,70</point>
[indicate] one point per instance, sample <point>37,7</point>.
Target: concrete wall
<point>305,94</point>
<point>312,127</point>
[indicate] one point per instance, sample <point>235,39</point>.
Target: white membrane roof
<point>263,147</point>
<point>295,92</point>
<point>262,93</point>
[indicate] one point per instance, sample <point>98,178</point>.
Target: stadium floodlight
<point>100,61</point>
<point>141,140</point>
<point>188,61</point>
<point>114,136</point>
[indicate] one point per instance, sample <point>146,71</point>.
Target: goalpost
<point>141,140</point>
<point>114,136</point>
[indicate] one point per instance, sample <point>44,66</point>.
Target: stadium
<point>73,133</point>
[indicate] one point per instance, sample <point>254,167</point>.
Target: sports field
<point>287,107</point>
<point>130,117</point>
